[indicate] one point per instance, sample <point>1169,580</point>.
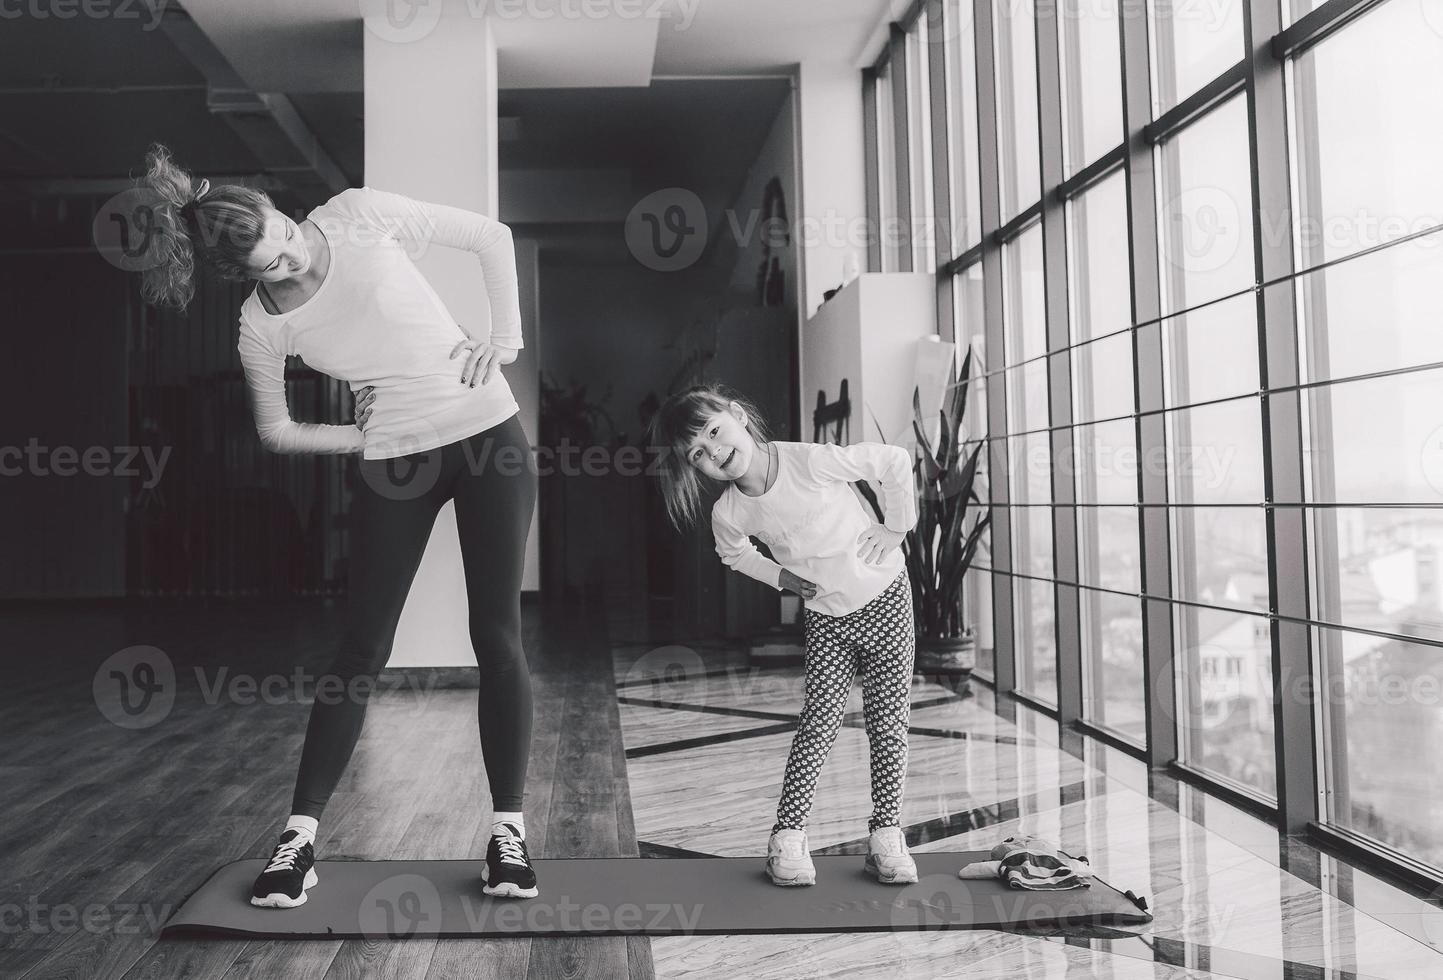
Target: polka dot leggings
<point>880,639</point>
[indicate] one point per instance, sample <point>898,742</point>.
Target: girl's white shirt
<point>810,519</point>
<point>375,321</point>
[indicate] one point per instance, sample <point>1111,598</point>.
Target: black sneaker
<point>508,866</point>
<point>283,883</point>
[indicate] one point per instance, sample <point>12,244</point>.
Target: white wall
<point>524,377</point>
<point>743,231</point>
<point>833,183</point>
<point>431,133</point>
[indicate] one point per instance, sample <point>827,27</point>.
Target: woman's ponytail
<point>190,220</point>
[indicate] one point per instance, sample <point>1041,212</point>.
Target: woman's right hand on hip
<point>364,397</point>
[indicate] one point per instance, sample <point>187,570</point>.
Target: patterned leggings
<point>881,639</point>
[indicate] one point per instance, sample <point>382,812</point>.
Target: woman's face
<point>282,251</point>
<point>723,448</point>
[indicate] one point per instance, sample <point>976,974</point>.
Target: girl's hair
<point>222,224</point>
<point>673,428</point>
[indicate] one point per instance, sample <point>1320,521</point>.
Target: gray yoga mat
<point>638,896</point>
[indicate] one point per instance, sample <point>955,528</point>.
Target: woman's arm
<point>490,240</point>
<point>265,372</point>
<point>891,466</point>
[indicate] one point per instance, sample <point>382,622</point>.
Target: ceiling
<point>82,98</point>
<point>316,46</point>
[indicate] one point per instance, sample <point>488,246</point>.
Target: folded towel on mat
<point>1027,861</point>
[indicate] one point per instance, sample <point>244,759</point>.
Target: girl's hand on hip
<point>483,361</point>
<point>799,585</point>
<point>877,542</point>
<point>364,397</point>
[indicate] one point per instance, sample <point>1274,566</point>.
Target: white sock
<point>500,817</point>
<point>306,825</point>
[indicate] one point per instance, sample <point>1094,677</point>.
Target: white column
<point>831,177</point>
<point>430,103</point>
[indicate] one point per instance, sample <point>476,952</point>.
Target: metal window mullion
<point>1335,795</point>
<point>871,130</point>
<point>1317,24</point>
<point>1004,668</point>
<point>939,222</point>
<point>1294,741</point>
<point>1067,645</point>
<point>902,145</point>
<point>1159,663</point>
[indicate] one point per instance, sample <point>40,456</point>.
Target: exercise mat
<point>639,896</point>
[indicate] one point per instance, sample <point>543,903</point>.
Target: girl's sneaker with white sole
<point>789,862</point>
<point>887,857</point>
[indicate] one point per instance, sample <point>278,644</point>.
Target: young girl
<point>795,498</point>
<point>340,290</point>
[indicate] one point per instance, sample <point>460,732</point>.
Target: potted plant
<point>940,549</point>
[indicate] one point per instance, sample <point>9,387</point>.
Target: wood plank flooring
<point>106,829</point>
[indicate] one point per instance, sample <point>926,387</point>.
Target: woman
<point>340,290</point>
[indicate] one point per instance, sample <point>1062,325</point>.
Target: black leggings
<point>492,478</point>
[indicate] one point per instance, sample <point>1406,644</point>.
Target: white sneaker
<point>789,862</point>
<point>887,857</point>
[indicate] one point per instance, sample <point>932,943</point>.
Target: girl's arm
<point>490,240</point>
<point>738,552</point>
<point>265,372</point>
<point>891,466</point>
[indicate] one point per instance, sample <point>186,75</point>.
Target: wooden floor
<point>106,829</point>
<point>644,746</point>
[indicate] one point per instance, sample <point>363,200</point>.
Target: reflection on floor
<point>706,739</point>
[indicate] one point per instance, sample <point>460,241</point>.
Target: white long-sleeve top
<point>810,519</point>
<point>376,321</point>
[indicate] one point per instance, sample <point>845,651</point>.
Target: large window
<point>1105,448</point>
<point>1025,378</point>
<point>1365,126</point>
<point>1091,81</point>
<point>1248,384</point>
<point>960,42</point>
<point>1205,209</point>
<point>886,220</point>
<point>1019,162</point>
<point>919,134</point>
<point>1192,43</point>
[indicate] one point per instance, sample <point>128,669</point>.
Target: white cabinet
<point>867,333</point>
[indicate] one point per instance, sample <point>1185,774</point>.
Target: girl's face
<point>724,447</point>
<point>282,251</point>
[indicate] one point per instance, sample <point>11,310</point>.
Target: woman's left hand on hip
<point>483,360</point>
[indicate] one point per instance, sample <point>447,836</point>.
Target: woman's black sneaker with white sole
<point>283,883</point>
<point>508,866</point>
